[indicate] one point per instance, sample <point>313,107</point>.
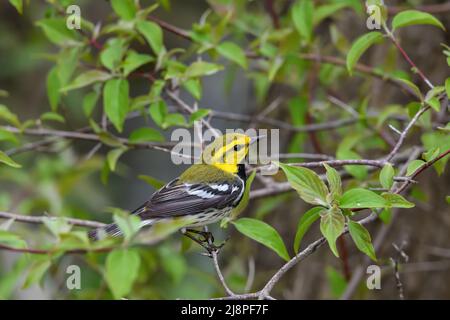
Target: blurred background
<point>55,180</point>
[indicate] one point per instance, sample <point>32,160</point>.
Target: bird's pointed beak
<point>256,139</point>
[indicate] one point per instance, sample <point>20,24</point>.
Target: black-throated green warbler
<point>203,194</point>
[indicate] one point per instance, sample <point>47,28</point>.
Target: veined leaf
<point>305,222</point>
<point>126,9</point>
<point>361,198</point>
<point>113,156</point>
<point>112,54</point>
<point>135,60</point>
<point>307,183</point>
<point>18,4</point>
<point>413,166</point>
<point>8,161</point>
<point>194,87</point>
<point>233,52</point>
<point>146,134</point>
<point>334,181</point>
<point>360,46</point>
<point>332,225</point>
<point>262,233</point>
<point>302,16</point>
<point>57,32</point>
<point>116,101</point>
<point>53,86</point>
<point>387,176</point>
<point>155,183</point>
<point>152,33</point>
<point>394,200</point>
<point>8,116</point>
<point>87,78</point>
<point>202,68</point>
<point>413,17</point>
<point>362,239</point>
<point>122,266</point>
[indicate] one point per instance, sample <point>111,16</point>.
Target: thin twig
<point>41,219</point>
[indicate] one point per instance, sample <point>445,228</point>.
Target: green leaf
<point>122,266</point>
<point>262,233</point>
<point>275,66</point>
<point>202,68</point>
<point>8,116</point>
<point>135,60</point>
<point>146,134</point>
<point>334,181</point>
<point>18,4</point>
<point>387,176</point>
<point>413,166</point>
<point>155,183</point>
<point>87,78</point>
<point>158,111</point>
<point>116,101</point>
<point>394,200</point>
<point>8,161</point>
<point>194,87</point>
<point>337,282</point>
<point>174,119</point>
<point>233,52</point>
<point>68,59</point>
<point>90,101</point>
<point>332,225</point>
<point>153,34</point>
<point>327,10</point>
<point>36,272</point>
<point>11,239</point>
<point>113,156</point>
<point>360,46</point>
<point>155,91</point>
<point>198,115</point>
<point>307,183</point>
<point>362,239</point>
<point>173,263</point>
<point>305,222</point>
<point>361,198</point>
<point>386,215</point>
<point>112,54</point>
<point>302,16</point>
<point>53,86</point>
<point>359,172</point>
<point>414,17</point>
<point>52,116</point>
<point>57,225</point>
<point>128,224</point>
<point>110,140</point>
<point>434,103</point>
<point>433,140</point>
<point>126,9</point>
<point>57,32</point>
<point>415,89</point>
<point>8,136</point>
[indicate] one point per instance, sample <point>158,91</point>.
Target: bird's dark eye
<point>237,147</point>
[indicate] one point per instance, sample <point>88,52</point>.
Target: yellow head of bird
<point>229,149</point>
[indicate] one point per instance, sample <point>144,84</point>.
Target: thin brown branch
<point>41,219</point>
<point>171,28</point>
<point>405,133</point>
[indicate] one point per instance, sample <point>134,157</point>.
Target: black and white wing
<point>185,199</point>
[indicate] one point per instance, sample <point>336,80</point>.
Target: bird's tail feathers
<point>111,230</point>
